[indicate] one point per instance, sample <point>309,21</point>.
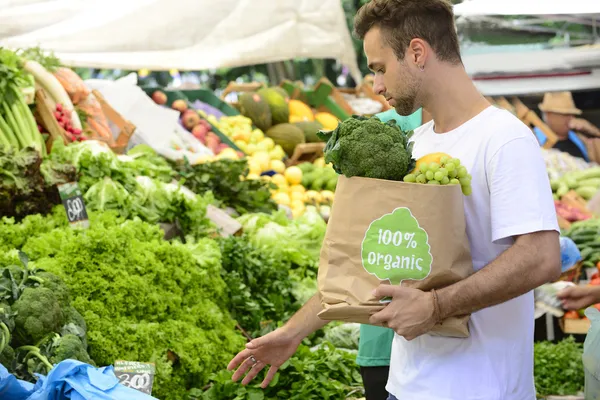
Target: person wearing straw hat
<point>576,136</point>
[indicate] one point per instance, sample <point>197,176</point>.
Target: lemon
<point>327,196</point>
<point>256,136</point>
<point>319,162</point>
<point>278,166</point>
<point>268,142</point>
<point>293,175</point>
<point>279,180</point>
<point>312,197</point>
<point>297,204</point>
<point>253,176</point>
<point>202,159</point>
<point>263,159</point>
<point>254,167</point>
<point>250,149</point>
<point>297,212</point>
<point>297,196</point>
<point>277,153</point>
<point>298,189</point>
<point>228,153</point>
<point>282,198</point>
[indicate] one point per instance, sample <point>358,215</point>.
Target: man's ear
<point>417,52</point>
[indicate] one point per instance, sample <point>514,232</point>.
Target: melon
<point>288,136</point>
<point>310,129</point>
<point>282,92</point>
<point>279,108</point>
<point>254,107</point>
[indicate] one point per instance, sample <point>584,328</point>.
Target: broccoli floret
<point>70,347</point>
<point>58,287</point>
<point>74,324</point>
<point>38,315</point>
<point>369,148</point>
<point>7,358</point>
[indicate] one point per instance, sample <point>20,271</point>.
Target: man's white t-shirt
<point>511,196</point>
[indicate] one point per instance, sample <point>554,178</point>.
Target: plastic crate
<point>203,95</point>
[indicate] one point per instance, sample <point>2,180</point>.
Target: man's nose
<point>378,86</point>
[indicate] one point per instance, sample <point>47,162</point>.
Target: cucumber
<point>589,264</point>
<point>587,192</point>
<point>586,252</point>
<point>595,182</point>
<point>585,238</point>
<point>587,174</point>
<point>562,189</point>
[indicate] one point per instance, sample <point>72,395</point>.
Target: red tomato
<point>572,315</point>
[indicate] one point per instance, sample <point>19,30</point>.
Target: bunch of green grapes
<point>448,171</point>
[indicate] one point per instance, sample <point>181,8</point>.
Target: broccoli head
<point>7,358</point>
<point>38,315</point>
<point>369,148</point>
<point>69,347</point>
<point>58,287</point>
<point>74,324</point>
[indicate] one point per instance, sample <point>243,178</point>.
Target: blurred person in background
<point>576,136</point>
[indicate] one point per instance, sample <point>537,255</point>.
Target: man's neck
<point>453,99</point>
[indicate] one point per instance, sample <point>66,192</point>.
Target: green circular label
<point>396,248</point>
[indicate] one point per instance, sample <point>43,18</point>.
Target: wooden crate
<point>306,152</point>
<point>575,326</point>
<point>126,128</point>
<point>45,113</point>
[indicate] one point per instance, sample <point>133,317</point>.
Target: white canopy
<point>526,7</point>
<point>182,34</point>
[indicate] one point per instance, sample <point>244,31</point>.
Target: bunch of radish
<point>63,117</point>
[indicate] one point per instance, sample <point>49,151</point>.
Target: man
<point>375,345</point>
<point>412,47</point>
<point>576,136</point>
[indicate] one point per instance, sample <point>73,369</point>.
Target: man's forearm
<point>520,269</point>
<point>306,320</point>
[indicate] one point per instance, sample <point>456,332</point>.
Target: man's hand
<point>410,314</point>
<point>578,297</point>
<point>583,126</point>
<point>273,349</point>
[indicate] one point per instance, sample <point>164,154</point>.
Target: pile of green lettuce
<point>143,298</point>
<point>296,241</point>
<point>139,184</point>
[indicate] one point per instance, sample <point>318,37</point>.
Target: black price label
<point>135,375</point>
<point>72,200</point>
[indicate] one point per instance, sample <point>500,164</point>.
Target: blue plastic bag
<point>569,253</point>
<point>69,379</point>
<point>13,388</point>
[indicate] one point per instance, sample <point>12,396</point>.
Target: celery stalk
<point>8,133</point>
<point>36,138</point>
<point>3,139</point>
<point>12,122</point>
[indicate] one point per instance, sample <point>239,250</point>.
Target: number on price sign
<point>72,200</point>
<point>135,375</point>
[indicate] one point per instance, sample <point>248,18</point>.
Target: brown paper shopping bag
<point>392,232</point>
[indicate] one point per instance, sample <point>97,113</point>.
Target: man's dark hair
<point>401,21</point>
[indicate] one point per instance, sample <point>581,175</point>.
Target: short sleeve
<point>521,199</point>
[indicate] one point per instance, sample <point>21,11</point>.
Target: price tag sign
<point>72,200</point>
<point>136,375</point>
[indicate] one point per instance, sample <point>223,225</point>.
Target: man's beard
<point>405,106</point>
